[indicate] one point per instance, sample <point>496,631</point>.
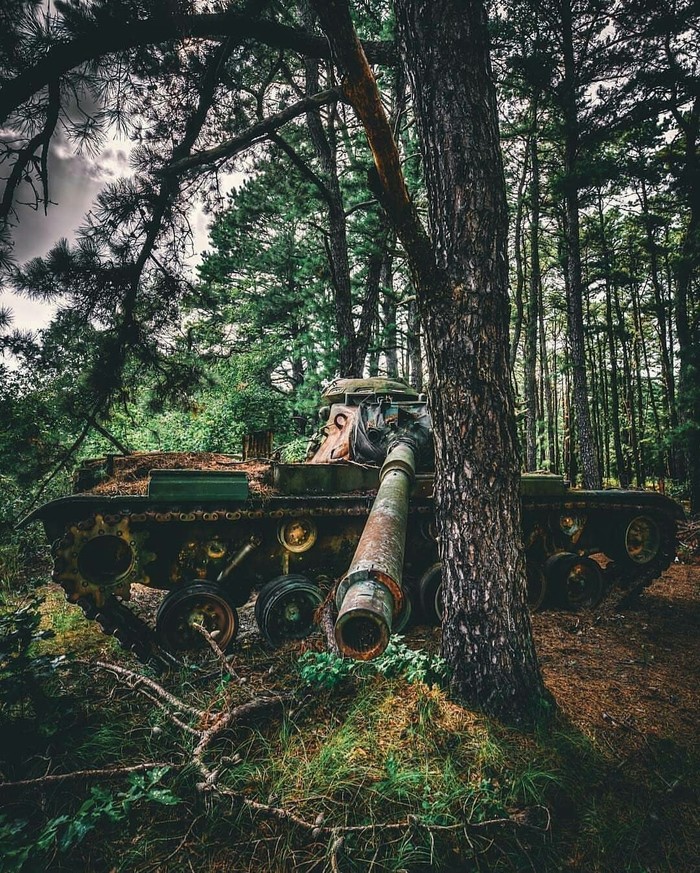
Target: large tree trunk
<point>460,278</point>
<point>687,329</point>
<point>486,628</point>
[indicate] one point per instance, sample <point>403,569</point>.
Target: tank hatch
<point>353,390</point>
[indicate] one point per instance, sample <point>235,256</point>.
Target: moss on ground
<point>458,791</point>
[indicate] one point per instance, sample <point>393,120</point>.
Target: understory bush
<point>398,661</point>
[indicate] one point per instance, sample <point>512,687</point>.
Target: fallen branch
<point>326,616</point>
<point>178,722</point>
<point>100,773</point>
<point>220,654</point>
<point>223,722</point>
<point>410,823</point>
<point>134,680</point>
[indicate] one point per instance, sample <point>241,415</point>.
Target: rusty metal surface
<point>364,621</point>
<point>380,552</point>
<point>336,444</point>
<point>370,595</point>
<point>337,391</point>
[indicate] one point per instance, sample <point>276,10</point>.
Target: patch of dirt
<point>632,673</point>
<point>129,474</point>
<point>627,678</point>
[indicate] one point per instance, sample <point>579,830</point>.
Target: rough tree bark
<point>686,309</point>
<point>460,280</point>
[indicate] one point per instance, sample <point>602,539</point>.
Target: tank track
<point>134,634</point>
<point>632,583</point>
<point>131,632</point>
<point>116,619</point>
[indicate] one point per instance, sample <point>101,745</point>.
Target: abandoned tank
<point>356,518</point>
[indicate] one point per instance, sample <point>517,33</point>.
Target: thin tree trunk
<point>414,345</point>
<point>549,399</point>
<point>574,287</point>
<point>534,293</point>
<point>390,334</point>
<point>518,258</point>
<point>604,423</point>
<point>337,249</point>
<point>661,312</point>
<point>620,463</point>
<point>640,463</point>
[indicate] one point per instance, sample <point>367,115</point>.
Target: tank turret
<point>213,532</point>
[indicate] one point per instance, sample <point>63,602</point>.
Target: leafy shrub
<point>325,670</point>
<point>294,451</point>
<point>22,848</point>
<point>413,665</point>
<point>398,661</point>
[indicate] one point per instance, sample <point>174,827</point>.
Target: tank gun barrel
<point>369,597</point>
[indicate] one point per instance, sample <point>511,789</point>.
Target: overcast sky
<point>74,180</point>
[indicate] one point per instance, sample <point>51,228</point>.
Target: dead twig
<point>134,680</point>
<point>220,654</point>
<point>170,715</point>
<point>100,773</point>
<point>224,721</point>
<point>336,847</point>
<point>333,831</point>
<point>325,616</point>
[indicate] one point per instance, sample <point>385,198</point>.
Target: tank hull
<point>307,525</point>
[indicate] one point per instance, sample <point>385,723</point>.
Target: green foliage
<point>23,554</point>
<point>413,665</point>
<point>398,661</point>
<point>294,451</point>
<point>268,274</point>
<point>326,670</point>
<point>23,848</point>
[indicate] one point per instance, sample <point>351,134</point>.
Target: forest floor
<point>612,784</point>
<point>632,677</point>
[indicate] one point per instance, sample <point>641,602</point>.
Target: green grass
<point>369,749</point>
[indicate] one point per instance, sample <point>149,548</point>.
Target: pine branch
<point>80,439</point>
<point>98,773</point>
<point>110,437</point>
<point>255,133</point>
<point>26,155</point>
<point>304,169</point>
<point>168,190</point>
<point>103,40</point>
<point>135,680</point>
